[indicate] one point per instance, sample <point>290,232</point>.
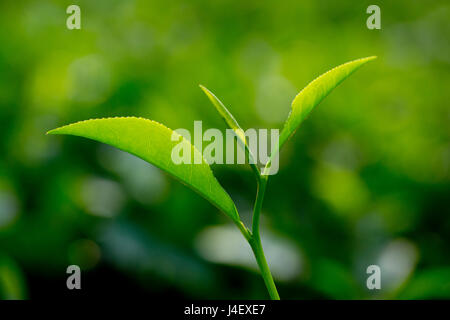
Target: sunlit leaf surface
<point>152,142</point>
<point>315,92</point>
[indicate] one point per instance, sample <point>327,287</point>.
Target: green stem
<point>255,241</point>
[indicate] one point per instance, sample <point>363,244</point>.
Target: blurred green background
<point>364,181</point>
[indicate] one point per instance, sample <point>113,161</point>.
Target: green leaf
<point>225,114</point>
<point>151,141</point>
<point>232,123</point>
<point>314,93</point>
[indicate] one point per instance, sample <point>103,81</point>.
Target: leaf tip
<point>59,130</point>
<point>367,59</point>
<point>204,89</point>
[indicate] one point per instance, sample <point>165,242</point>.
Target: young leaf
<point>314,93</point>
<point>232,123</point>
<point>226,115</point>
<point>151,141</point>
